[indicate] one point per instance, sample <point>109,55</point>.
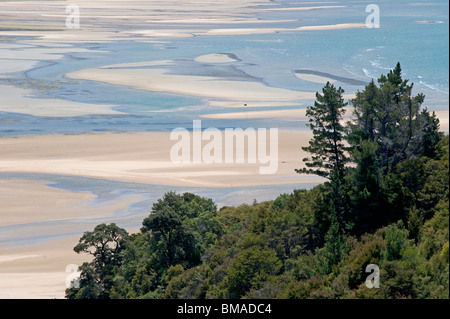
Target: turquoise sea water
<point>416,34</point>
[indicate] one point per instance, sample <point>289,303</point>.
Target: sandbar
<point>216,58</point>
<point>144,158</point>
<point>19,100</point>
<point>217,88</point>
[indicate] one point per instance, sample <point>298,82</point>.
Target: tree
<point>181,227</point>
<point>366,193</point>
<point>106,244</point>
<point>327,145</point>
<point>334,249</point>
<point>166,230</point>
<point>90,286</point>
<point>396,241</point>
<point>391,116</point>
<point>431,135</point>
<point>329,157</point>
<point>250,268</point>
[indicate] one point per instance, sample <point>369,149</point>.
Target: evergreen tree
<point>366,192</point>
<point>328,157</point>
<point>326,146</point>
<point>431,134</point>
<point>106,244</point>
<point>391,116</point>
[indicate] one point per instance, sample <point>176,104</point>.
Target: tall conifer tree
<point>326,147</point>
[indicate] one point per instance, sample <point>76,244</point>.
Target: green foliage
<point>182,227</point>
<point>398,282</point>
<point>389,208</point>
<point>250,268</point>
<point>390,116</point>
<point>105,244</point>
<point>366,252</point>
<point>396,241</point>
<point>328,133</point>
<point>366,193</point>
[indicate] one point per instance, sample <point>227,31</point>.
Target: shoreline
<point>142,158</point>
<point>55,186</point>
<point>214,88</point>
<point>150,21</point>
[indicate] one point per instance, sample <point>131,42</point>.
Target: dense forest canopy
<point>385,202</point>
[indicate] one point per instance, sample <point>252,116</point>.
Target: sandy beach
<point>162,19</point>
<point>34,35</point>
<point>143,158</point>
<point>203,86</point>
<point>217,86</point>
<point>38,270</point>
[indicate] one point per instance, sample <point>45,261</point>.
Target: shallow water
<point>416,34</point>
<point>108,191</point>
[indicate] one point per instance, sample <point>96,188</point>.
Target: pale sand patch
<point>250,31</point>
<point>314,78</point>
<point>144,19</point>
<point>38,271</point>
<point>14,45</point>
<point>18,100</point>
<point>299,114</point>
<point>241,31</point>
<point>332,26</point>
<point>99,24</point>
<point>145,158</point>
<point>33,285</point>
<point>303,8</point>
<point>291,114</point>
<point>25,54</point>
<point>196,21</point>
<point>443,120</point>
<point>163,33</point>
<point>8,258</point>
<point>70,36</point>
<point>39,53</point>
<point>87,36</point>
<point>247,104</point>
<point>138,64</point>
<point>36,201</point>
<point>241,104</point>
<point>202,86</point>
<point>11,66</point>
<point>215,58</point>
<point>21,198</point>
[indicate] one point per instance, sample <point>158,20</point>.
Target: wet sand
<point>144,158</point>
<point>38,269</point>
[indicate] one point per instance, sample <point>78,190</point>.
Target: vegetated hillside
<point>386,202</point>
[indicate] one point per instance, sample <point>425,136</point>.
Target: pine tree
<point>390,116</point>
<point>366,189</point>
<point>326,146</point>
